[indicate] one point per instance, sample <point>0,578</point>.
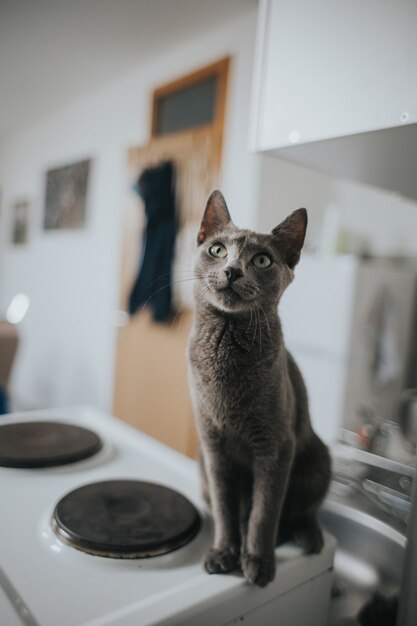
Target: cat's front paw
<point>258,569</point>
<point>221,561</point>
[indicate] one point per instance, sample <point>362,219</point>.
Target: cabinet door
<point>331,68</point>
<point>325,378</point>
<point>316,309</point>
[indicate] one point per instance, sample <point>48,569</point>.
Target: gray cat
<point>262,464</point>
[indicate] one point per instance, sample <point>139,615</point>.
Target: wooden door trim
<point>219,69</point>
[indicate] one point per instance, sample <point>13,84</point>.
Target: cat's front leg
<point>270,482</point>
<point>224,495</point>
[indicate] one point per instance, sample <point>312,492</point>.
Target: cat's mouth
<point>232,297</point>
<point>229,289</point>
<point>242,290</point>
<point>235,297</point>
<point>228,300</point>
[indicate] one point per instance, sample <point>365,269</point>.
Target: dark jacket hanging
<point>153,285</point>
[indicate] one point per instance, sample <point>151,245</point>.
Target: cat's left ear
<point>289,236</point>
<point>216,216</point>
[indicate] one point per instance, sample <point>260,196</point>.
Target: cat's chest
<point>224,364</point>
<point>229,382</point>
<point>228,349</point>
<point>231,370</point>
<point>232,389</point>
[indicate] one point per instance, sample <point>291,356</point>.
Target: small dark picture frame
<point>66,196</point>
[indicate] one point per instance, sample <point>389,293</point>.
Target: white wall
<point>68,336</point>
<point>385,221</point>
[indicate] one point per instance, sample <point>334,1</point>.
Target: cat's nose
<point>233,273</point>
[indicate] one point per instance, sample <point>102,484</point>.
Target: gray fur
<point>262,465</point>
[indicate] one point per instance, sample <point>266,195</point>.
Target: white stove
<point>46,582</point>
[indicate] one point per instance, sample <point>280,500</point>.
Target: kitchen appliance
<point>70,540</point>
<point>407,416</point>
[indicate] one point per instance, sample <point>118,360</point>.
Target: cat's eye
<point>218,250</point>
<point>261,260</point>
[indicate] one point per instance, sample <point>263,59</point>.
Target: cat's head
<point>240,269</point>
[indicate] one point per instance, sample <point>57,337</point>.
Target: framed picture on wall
<point>66,196</point>
<point>20,222</point>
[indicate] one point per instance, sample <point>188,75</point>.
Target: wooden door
<point>151,387</point>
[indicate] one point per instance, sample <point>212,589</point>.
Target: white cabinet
<point>330,69</point>
<point>347,323</point>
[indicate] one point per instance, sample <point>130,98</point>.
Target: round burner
<point>45,444</point>
<point>125,519</point>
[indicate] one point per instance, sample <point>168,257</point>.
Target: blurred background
<point>103,105</point>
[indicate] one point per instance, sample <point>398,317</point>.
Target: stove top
<point>37,444</point>
<point>125,519</point>
<point>45,581</point>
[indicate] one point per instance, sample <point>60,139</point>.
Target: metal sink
<point>369,557</point>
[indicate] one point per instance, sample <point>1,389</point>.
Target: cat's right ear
<point>289,236</point>
<point>216,216</point>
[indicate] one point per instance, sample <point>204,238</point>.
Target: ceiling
<point>54,51</point>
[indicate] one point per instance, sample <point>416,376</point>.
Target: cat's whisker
<point>167,275</point>
<point>170,284</point>
<point>181,321</point>
<point>254,332</point>
<point>260,329</point>
<point>250,321</point>
<point>205,290</point>
<point>266,320</point>
<point>174,319</point>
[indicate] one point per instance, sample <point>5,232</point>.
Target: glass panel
<point>188,107</point>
